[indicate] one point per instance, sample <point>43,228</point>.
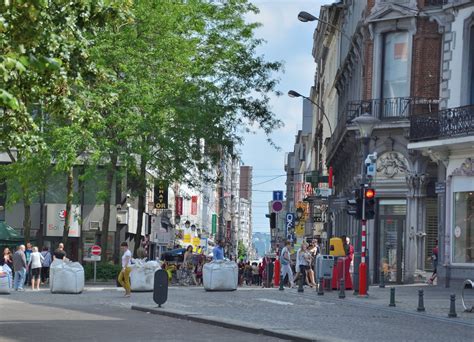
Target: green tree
<point>45,62</point>
<point>187,81</point>
<point>241,250</point>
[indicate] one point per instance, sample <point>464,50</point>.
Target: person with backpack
<point>285,262</point>
<point>47,259</point>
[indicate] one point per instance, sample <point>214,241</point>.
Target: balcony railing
<point>390,109</point>
<point>448,123</point>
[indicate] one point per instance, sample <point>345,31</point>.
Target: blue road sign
<point>278,195</point>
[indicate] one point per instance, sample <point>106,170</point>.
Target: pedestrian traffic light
<point>272,218</point>
<point>369,204</point>
<point>355,205</point>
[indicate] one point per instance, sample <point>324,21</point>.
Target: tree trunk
<point>69,197</point>
<point>141,206</point>
<point>27,216</point>
<point>109,183</point>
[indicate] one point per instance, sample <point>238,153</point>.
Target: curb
<point>290,335</point>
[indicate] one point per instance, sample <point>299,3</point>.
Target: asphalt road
<point>31,317</point>
<point>102,314</point>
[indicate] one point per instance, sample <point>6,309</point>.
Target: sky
<point>290,41</point>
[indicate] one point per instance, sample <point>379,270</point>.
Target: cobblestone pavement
<point>352,318</point>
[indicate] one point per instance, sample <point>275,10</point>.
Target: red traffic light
<point>369,193</point>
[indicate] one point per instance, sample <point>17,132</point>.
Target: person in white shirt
<point>124,276</point>
<point>35,266</point>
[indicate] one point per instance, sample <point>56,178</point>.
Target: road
<point>90,316</point>
<point>102,314</point>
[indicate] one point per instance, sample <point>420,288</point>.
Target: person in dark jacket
<point>19,266</point>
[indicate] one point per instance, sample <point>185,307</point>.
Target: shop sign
<point>161,195</point>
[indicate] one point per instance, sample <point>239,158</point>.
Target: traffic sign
<point>277,206</point>
<point>278,195</point>
<point>96,250</point>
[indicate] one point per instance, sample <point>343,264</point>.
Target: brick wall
<point>368,72</point>
<point>426,60</point>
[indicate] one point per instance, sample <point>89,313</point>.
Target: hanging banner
<point>194,205</point>
<point>179,206</point>
<point>161,195</point>
<point>214,224</point>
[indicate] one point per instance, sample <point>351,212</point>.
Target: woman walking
<point>305,263</point>
<point>7,258</point>
<point>34,265</point>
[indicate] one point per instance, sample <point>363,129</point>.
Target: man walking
<point>218,251</point>
<point>124,276</point>
<point>285,263</point>
<point>19,266</point>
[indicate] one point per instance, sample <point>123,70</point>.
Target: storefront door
<point>392,218</point>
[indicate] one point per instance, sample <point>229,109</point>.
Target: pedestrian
<point>305,262</point>
<point>199,268</point>
<point>124,276</point>
<point>285,262</point>
<point>7,258</point>
<point>19,266</point>
<point>188,265</point>
<point>28,251</point>
<point>47,259</point>
<point>434,259</point>
<point>59,253</point>
<point>218,251</point>
<point>260,274</point>
<point>255,274</point>
<point>34,265</point>
<point>248,273</point>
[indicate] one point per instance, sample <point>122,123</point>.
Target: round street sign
<point>277,206</point>
<point>96,250</point>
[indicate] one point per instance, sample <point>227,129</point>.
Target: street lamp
<point>365,123</point>
<point>307,17</point>
<point>293,93</point>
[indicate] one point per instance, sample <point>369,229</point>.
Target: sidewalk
<point>312,317</point>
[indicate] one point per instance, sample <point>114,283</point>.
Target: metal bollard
<point>321,287</point>
<point>300,283</point>
<point>382,280</point>
<point>421,305</point>
<point>452,308</point>
<point>392,297</point>
<point>342,288</point>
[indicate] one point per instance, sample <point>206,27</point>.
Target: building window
<point>395,77</point>
<point>463,227</point>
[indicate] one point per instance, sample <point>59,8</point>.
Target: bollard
<point>342,287</point>
<point>421,305</point>
<point>281,282</point>
<point>392,297</point>
<point>321,287</point>
<point>452,308</point>
<point>382,280</point>
<point>300,282</point>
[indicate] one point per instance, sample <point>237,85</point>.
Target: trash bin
<point>324,266</point>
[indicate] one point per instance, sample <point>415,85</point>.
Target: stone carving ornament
<point>392,164</point>
<point>466,168</point>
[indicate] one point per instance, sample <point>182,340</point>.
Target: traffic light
<point>369,204</point>
<point>355,205</point>
<point>272,218</point>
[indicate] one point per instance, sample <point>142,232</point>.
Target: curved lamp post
<point>307,17</point>
<point>293,93</point>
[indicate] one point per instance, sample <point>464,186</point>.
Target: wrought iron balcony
<point>448,123</point>
<point>389,109</point>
